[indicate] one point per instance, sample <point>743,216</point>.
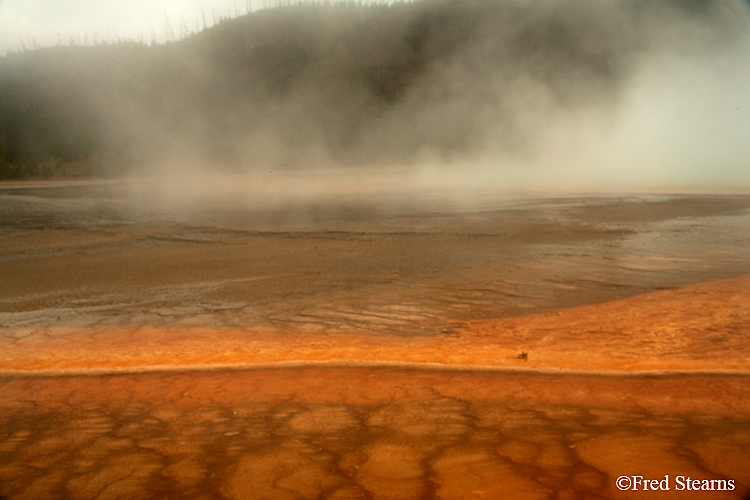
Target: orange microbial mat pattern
<point>397,346</point>
<point>703,327</point>
<point>505,408</point>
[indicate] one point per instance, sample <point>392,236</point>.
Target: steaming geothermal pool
<point>379,345</point>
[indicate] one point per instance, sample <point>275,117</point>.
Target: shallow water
<point>83,255</point>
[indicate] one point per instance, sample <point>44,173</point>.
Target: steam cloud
<point>589,94</point>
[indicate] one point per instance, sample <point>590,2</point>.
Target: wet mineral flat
<point>525,347</point>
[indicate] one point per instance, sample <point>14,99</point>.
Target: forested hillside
<point>346,84</point>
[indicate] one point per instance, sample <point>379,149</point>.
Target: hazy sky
<point>41,21</point>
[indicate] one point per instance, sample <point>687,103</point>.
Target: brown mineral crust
<point>701,327</point>
<point>717,394</point>
<point>373,432</point>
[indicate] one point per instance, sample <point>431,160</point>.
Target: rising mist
<point>502,95</point>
